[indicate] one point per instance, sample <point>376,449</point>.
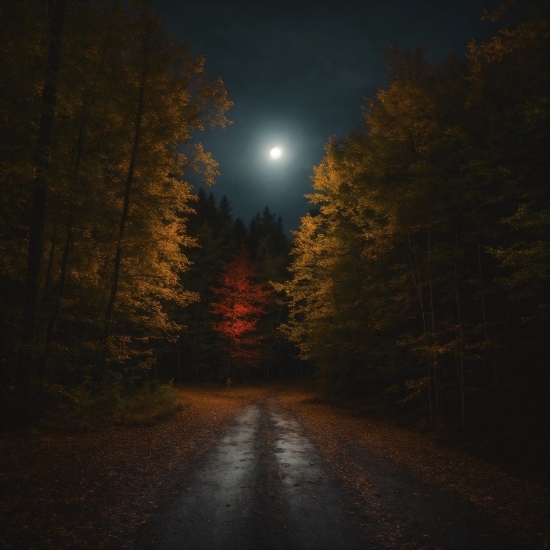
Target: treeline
<point>422,273</point>
<point>96,104</point>
<point>200,353</point>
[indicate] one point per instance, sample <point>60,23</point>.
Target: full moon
<point>276,153</point>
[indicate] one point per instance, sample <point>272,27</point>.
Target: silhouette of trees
<point>93,197</point>
<point>219,240</point>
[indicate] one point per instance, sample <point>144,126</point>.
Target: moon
<point>276,153</point>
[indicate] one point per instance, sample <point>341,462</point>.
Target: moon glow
<point>276,153</point>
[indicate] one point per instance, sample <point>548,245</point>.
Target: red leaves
<point>239,303</point>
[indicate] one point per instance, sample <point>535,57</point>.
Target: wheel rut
<point>263,484</point>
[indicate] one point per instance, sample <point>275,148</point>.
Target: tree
<point>424,269</point>
<point>239,303</point>
<point>218,240</point>
<point>100,200</point>
<point>56,13</point>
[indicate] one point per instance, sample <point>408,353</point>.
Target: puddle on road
<point>298,461</point>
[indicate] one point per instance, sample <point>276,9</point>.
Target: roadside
<point>124,487</point>
<point>94,490</point>
<point>393,474</point>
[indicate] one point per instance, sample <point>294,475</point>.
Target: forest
<point>418,280</point>
<point>422,272</point>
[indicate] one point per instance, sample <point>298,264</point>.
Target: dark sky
<point>298,72</point>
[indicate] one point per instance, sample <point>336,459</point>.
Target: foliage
<point>238,304</point>
<point>84,408</point>
<point>422,275</point>
<point>93,233</point>
<point>198,354</point>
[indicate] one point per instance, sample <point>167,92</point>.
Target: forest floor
<point>267,467</point>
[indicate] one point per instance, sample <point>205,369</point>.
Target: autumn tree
<point>421,273</point>
<point>239,303</point>
<point>104,215</point>
<point>218,240</point>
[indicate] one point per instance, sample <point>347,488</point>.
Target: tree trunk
<point>460,354</point>
<point>56,14</point>
<point>484,314</point>
<point>70,222</point>
<point>417,280</point>
<point>48,281</point>
<point>430,283</point>
<point>432,319</point>
<point>126,204</point>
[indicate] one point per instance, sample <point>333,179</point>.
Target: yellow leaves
<point>203,162</point>
<point>523,39</point>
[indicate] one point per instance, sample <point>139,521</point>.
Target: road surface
<point>264,484</point>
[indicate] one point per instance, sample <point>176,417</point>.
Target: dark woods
<point>419,280</point>
<point>422,278</point>
<point>231,270</point>
<point>109,262</point>
<point>97,102</point>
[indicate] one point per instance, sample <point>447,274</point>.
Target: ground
<point>260,468</point>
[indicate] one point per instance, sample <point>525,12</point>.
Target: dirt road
<point>260,468</point>
<point>265,484</point>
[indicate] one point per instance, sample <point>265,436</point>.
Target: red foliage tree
<point>240,302</point>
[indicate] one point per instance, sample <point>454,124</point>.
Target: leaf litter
<point>352,445</point>
<point>95,490</point>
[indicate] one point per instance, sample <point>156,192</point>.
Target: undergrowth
<point>527,456</point>
<point>80,409</point>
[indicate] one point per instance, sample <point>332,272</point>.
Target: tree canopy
<point>423,272</point>
<point>97,102</point>
<point>239,302</point>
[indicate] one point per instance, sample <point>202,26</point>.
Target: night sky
<point>298,72</point>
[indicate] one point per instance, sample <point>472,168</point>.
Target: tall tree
<point>239,303</point>
<point>114,215</point>
<point>56,16</point>
<point>421,272</point>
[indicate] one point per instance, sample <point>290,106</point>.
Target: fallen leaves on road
<point>94,490</point>
<point>519,505</point>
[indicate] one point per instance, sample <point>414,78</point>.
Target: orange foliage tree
<point>239,304</point>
